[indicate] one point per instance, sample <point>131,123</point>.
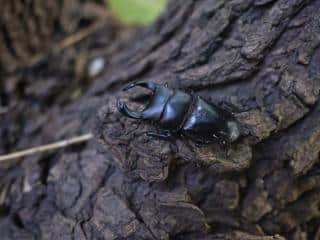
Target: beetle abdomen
<point>206,123</point>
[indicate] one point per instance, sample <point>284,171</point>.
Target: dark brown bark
<point>260,59</point>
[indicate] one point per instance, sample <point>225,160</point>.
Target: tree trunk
<point>259,59</point>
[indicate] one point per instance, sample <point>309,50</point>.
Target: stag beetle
<point>178,112</point>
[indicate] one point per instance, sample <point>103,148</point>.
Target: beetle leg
<point>199,144</point>
<point>163,135</point>
<point>132,130</point>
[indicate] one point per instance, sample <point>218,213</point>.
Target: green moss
<point>137,11</point>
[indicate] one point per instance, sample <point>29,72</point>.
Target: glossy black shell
<point>187,114</point>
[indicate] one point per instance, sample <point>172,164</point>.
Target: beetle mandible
<point>178,112</point>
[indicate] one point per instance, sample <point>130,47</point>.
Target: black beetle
<point>178,112</point>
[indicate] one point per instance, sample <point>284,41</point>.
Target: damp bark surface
<point>258,59</point>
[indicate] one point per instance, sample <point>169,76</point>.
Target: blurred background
<point>31,28</point>
<point>50,53</point>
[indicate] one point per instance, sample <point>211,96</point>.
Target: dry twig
<point>67,42</point>
<point>47,147</point>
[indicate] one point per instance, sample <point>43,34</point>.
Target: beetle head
<point>157,101</point>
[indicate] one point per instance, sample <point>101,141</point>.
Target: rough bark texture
<point>261,60</point>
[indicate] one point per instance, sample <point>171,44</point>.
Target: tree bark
<point>259,59</point>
